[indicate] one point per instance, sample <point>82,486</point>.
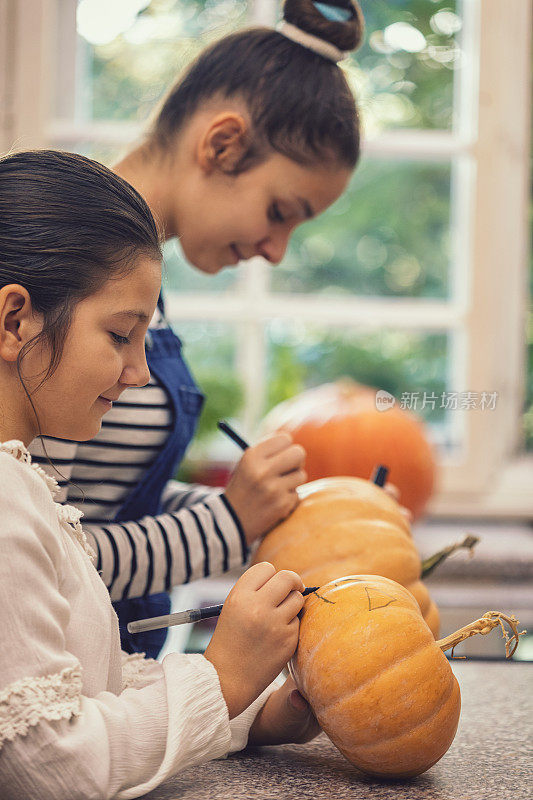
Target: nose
<point>273,248</point>
<point>136,372</point>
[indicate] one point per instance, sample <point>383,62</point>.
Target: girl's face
<point>229,218</point>
<point>103,355</point>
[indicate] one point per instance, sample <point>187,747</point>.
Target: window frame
<point>489,150</point>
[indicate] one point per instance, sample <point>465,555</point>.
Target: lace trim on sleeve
<point>28,701</point>
<point>133,669</point>
<point>69,518</point>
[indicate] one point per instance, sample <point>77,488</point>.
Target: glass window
<point>407,229</point>
<point>387,235</point>
<point>179,276</point>
<point>403,75</point>
<point>210,349</point>
<point>412,363</point>
<point>131,52</point>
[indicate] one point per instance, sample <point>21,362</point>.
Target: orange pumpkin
<point>343,433</point>
<point>379,685</point>
<point>345,526</point>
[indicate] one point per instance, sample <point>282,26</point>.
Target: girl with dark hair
<point>260,134</point>
<point>80,274</point>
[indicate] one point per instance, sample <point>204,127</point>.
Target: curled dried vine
<point>484,625</point>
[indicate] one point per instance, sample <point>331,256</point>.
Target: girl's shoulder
<point>27,491</point>
<point>20,473</point>
<point>28,517</point>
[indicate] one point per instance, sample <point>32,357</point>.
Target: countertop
<point>490,758</point>
<point>504,551</point>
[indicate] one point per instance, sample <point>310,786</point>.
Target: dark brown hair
<point>67,224</point>
<point>299,102</point>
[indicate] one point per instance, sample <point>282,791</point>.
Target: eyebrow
<point>137,314</point>
<point>308,211</point>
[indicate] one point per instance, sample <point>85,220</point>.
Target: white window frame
<point>489,151</point>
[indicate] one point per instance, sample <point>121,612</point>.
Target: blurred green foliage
<point>209,347</point>
<point>388,235</point>
<point>131,73</point>
<point>395,361</point>
<point>397,88</point>
<point>224,398</point>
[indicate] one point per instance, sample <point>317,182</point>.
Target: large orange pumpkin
<point>343,433</point>
<point>345,526</point>
<point>378,683</point>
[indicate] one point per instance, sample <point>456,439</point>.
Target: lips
<point>237,252</point>
<point>109,400</point>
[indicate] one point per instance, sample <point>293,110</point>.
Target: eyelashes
<point>118,339</point>
<point>277,216</point>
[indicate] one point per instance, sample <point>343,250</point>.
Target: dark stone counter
<point>491,757</point>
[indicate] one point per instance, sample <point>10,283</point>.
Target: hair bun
<point>327,20</point>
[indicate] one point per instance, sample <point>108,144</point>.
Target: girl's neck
<point>145,172</point>
<point>15,422</point>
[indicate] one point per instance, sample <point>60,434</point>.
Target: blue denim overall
<point>165,361</point>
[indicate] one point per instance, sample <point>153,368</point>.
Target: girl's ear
<point>18,323</point>
<point>223,143</point>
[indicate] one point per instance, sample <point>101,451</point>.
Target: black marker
<point>182,617</point>
<point>228,430</point>
<point>380,475</point>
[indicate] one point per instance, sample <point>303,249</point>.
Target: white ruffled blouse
<point>79,718</point>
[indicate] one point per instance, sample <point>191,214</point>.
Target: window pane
<point>401,362</point>
<point>182,277</point>
<point>130,53</point>
<point>210,351</point>
<point>403,73</point>
<point>388,235</point>
<point>105,154</point>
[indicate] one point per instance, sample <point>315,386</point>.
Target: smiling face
<point>229,218</point>
<point>103,354</point>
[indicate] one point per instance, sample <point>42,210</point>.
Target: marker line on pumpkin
<point>393,600</point>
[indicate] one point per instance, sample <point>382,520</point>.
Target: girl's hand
<point>394,492</point>
<point>262,489</point>
<point>256,633</point>
<point>285,718</point>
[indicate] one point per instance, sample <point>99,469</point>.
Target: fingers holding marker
<point>262,489</point>
<point>274,444</point>
<point>392,490</point>
<point>279,587</point>
<point>287,460</point>
<point>257,576</point>
<point>292,480</point>
<point>256,633</point>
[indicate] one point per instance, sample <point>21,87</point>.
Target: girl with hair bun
<point>80,273</point>
<point>258,135</point>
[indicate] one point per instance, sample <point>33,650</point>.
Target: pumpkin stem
<point>429,564</point>
<point>484,625</point>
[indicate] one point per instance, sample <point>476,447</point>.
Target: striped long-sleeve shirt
<point>196,535</point>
